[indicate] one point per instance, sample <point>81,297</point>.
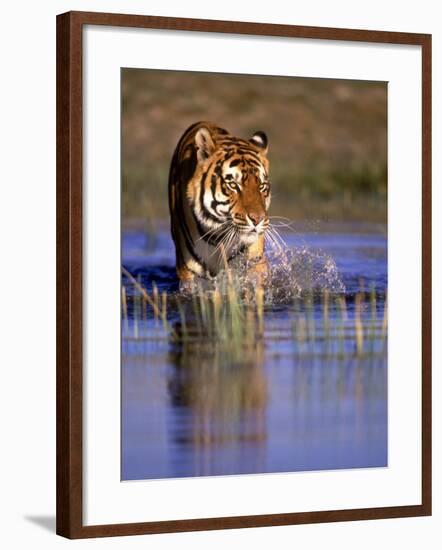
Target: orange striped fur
<point>219,195</point>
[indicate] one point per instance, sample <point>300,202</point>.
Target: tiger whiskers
<point>280,218</point>
<point>227,238</point>
<point>222,235</point>
<point>278,236</point>
<point>214,230</point>
<point>275,240</point>
<point>232,236</point>
<point>286,223</point>
<point>229,232</point>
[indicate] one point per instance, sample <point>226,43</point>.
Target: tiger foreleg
<point>185,274</point>
<point>258,267</point>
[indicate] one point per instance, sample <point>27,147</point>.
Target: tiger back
<point>219,195</point>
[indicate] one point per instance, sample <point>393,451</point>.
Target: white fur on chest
<point>212,255</point>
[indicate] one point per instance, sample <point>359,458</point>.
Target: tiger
<point>219,196</point>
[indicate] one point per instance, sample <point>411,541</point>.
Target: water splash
<point>292,272</point>
<point>306,268</point>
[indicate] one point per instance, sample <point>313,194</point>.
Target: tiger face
<point>234,189</point>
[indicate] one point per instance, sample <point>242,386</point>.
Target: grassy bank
<point>328,138</point>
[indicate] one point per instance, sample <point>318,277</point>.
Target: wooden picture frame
<point>70,270</point>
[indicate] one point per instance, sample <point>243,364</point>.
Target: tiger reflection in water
<point>226,399</point>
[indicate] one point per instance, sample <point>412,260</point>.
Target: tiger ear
<point>204,144</point>
<point>259,139</point>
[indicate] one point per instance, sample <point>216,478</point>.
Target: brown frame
<point>69,273</point>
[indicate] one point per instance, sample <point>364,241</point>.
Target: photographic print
<point>243,228</point>
<point>254,274</point>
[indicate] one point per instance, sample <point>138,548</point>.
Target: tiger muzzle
<point>256,217</point>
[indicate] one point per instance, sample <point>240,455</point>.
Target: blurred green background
<point>327,139</point>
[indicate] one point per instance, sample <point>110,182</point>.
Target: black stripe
<point>242,151</point>
<point>228,141</point>
<point>253,162</point>
<point>199,227</point>
<point>213,185</point>
<point>218,168</point>
<point>188,241</point>
<point>203,208</point>
<point>215,201</point>
<point>197,259</point>
<point>229,154</point>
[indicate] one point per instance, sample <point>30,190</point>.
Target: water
<point>287,403</point>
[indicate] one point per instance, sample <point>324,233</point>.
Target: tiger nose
<point>256,218</point>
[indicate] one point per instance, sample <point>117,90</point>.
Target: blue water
<point>361,258</point>
<point>189,412</point>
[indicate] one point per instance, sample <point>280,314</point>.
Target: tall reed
<point>236,319</point>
